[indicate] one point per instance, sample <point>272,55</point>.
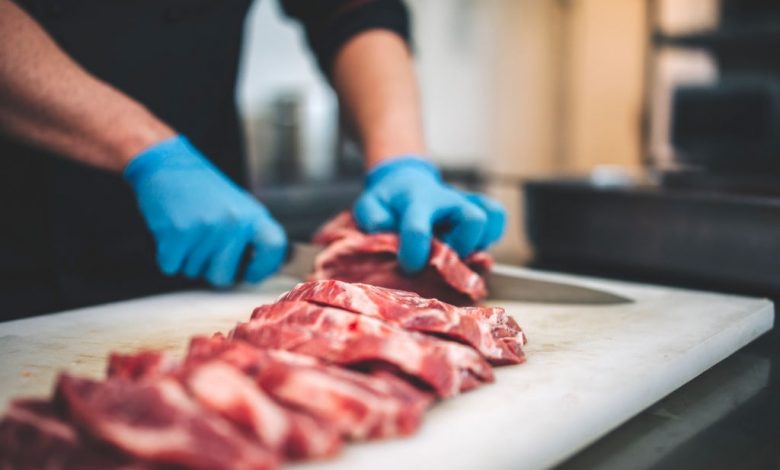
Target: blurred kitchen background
<point>635,138</point>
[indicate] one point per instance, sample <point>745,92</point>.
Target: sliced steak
<point>157,421</point>
<point>487,329</point>
<point>346,338</point>
<point>360,406</point>
<point>222,388</point>
<point>227,390</point>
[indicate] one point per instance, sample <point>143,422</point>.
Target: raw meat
<point>157,421</point>
<point>328,361</point>
<point>34,436</point>
<point>346,338</point>
<point>360,406</point>
<point>225,390</point>
<point>354,256</point>
<point>140,365</point>
<point>488,329</point>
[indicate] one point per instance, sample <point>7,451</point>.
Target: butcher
<point>121,170</point>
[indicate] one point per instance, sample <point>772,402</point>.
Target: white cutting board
<point>589,368</point>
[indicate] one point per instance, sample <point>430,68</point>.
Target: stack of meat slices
<point>329,362</point>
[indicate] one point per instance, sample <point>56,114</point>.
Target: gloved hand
<point>202,222</point>
<point>407,195</point>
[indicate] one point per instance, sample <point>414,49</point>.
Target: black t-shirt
<point>72,235</point>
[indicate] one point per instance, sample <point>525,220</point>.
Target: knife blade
<point>501,286</point>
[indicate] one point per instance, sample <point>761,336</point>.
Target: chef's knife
<point>501,286</point>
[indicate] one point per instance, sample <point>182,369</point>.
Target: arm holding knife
<point>201,220</point>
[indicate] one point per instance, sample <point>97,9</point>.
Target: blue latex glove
<point>202,222</point>
<point>407,195</point>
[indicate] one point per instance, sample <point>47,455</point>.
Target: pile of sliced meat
<point>353,256</point>
<point>329,362</point>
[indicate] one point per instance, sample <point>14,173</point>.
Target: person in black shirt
<point>121,166</point>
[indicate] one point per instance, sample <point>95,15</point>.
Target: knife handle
<point>248,254</point>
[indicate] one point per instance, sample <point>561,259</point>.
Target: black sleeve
<point>329,24</point>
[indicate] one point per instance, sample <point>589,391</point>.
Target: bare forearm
<point>49,101</point>
<point>374,77</point>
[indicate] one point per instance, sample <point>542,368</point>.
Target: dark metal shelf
<point>702,239</point>
<point>760,35</point>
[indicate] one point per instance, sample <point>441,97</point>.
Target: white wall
<point>455,44</point>
<point>275,60</point>
<point>454,49</point>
